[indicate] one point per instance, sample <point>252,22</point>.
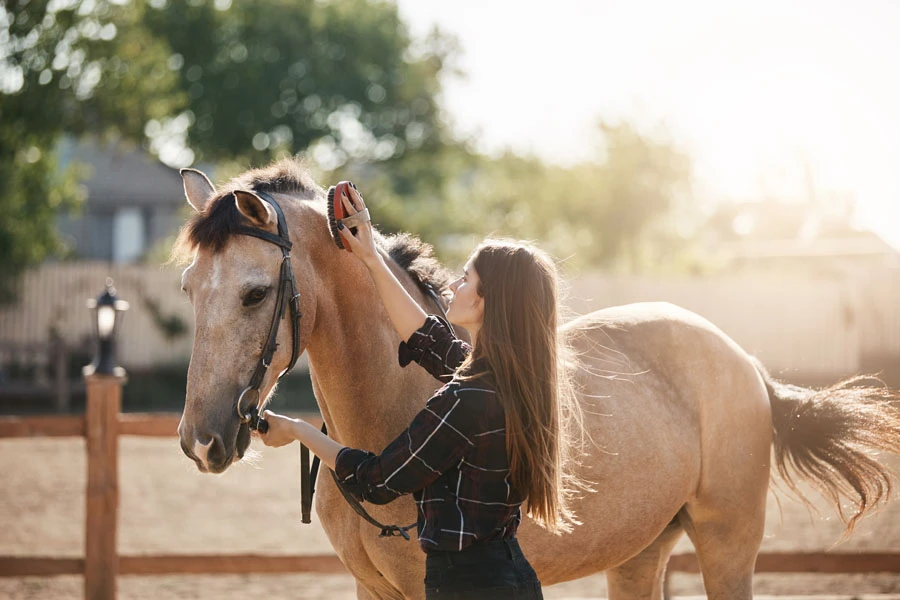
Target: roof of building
<point>120,173</point>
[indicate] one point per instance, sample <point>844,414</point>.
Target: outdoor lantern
<point>106,310</point>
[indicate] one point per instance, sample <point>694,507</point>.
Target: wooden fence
<point>826,327</point>
<point>103,423</point>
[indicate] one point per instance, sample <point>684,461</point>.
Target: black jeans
<point>493,570</point>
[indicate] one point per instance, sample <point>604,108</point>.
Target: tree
<point>65,67</point>
<point>341,79</point>
<point>625,209</point>
<point>203,80</point>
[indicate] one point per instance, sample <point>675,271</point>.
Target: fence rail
<point>101,527</point>
<point>802,323</point>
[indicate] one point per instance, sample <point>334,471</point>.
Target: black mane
<point>415,257</point>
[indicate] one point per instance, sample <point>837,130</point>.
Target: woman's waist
<point>478,552</point>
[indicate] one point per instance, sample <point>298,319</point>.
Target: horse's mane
<point>211,228</point>
<point>415,257</point>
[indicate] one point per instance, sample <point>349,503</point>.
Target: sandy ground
<point>167,507</point>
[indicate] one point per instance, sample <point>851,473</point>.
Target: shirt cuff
<point>413,349</point>
<point>345,467</point>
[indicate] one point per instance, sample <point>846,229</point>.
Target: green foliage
<point>241,83</point>
<point>274,77</point>
<point>32,192</point>
<point>628,209</point>
<point>78,66</point>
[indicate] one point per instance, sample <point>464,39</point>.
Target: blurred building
<point>133,201</point>
<point>805,237</point>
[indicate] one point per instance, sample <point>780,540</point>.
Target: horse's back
<point>664,395</point>
<point>690,365</point>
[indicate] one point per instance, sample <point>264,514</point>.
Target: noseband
<point>288,296</point>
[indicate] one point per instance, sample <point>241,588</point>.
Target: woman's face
<point>467,306</point>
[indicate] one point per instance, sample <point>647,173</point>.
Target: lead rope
<point>308,484</point>
<point>386,530</point>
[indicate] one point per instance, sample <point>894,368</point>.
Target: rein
<point>356,505</point>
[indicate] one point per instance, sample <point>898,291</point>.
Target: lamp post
<point>103,381</point>
<point>106,310</point>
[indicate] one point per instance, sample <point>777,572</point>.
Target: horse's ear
<point>198,189</point>
<point>257,210</point>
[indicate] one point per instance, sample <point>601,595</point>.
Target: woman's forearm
<point>320,444</point>
<point>406,315</point>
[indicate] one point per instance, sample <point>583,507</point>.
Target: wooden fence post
<point>101,562</point>
<point>61,376</point>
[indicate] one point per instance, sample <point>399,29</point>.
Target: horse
<point>680,422</point>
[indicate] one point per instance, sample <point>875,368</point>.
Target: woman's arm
<point>406,315</point>
<point>284,430</point>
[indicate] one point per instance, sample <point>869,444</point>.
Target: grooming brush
<point>336,211</point>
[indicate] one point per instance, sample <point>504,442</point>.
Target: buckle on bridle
<point>256,422</point>
<point>295,306</point>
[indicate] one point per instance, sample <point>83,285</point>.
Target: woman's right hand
<point>363,243</point>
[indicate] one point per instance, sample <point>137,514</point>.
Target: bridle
<point>287,297</point>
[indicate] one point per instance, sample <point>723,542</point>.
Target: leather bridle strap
<point>287,297</point>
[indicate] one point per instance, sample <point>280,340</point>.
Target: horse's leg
<point>726,547</point>
<point>642,576</point>
<point>383,593</point>
<point>726,520</point>
<point>362,593</point>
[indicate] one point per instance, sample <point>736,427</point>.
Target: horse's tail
<point>828,437</point>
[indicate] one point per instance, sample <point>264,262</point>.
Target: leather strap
<point>265,235</point>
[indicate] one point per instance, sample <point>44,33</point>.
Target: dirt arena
<point>167,507</point>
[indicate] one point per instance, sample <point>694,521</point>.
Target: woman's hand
<point>406,315</point>
<point>363,243</point>
<point>282,430</point>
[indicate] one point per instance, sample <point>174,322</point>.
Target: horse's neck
<point>365,396</point>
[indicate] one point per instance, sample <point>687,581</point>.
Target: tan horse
<point>681,417</point>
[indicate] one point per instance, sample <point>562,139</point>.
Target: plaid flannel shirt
<point>452,457</point>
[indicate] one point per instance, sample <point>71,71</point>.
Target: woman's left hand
<point>282,430</point>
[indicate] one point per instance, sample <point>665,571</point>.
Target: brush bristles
<point>332,221</point>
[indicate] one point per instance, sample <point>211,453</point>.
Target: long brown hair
<point>520,343</point>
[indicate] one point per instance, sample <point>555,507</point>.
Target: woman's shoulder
<point>475,377</point>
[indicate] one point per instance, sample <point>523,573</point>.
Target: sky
<point>770,98</point>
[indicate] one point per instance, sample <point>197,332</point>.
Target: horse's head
<point>233,284</point>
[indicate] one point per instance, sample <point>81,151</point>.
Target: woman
<point>489,440</point>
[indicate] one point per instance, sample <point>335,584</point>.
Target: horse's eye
<point>255,296</point>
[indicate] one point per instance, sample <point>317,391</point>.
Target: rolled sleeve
<point>345,465</point>
<point>437,439</point>
<point>435,348</point>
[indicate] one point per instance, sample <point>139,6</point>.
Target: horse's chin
<point>242,442</point>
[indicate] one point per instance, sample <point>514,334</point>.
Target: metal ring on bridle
<point>246,418</point>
